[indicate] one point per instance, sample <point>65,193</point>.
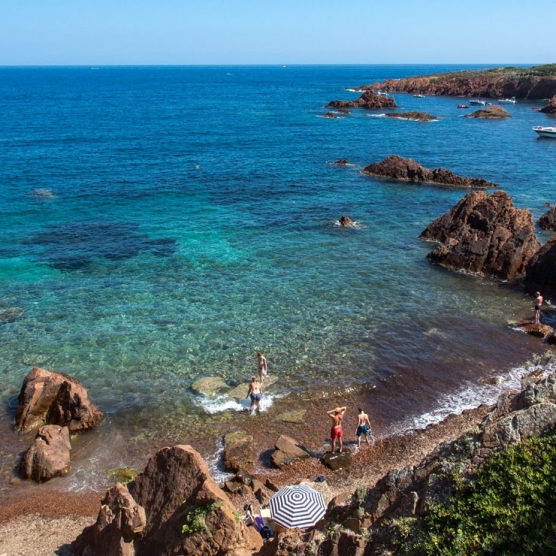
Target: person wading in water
<point>538,304</point>
<point>337,414</point>
<point>255,392</point>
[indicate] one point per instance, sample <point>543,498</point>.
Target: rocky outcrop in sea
<point>406,169</point>
<point>548,220</point>
<point>490,113</point>
<point>485,235</point>
<point>412,116</point>
<point>369,100</point>
<point>550,108</point>
<point>541,270</point>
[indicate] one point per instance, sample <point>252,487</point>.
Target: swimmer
<point>255,392</point>
<point>337,433</point>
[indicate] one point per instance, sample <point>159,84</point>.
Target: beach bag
<point>266,533</point>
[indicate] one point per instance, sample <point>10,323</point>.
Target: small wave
<point>352,90</point>
<point>216,466</point>
<point>354,225</point>
<point>225,403</point>
<point>468,397</point>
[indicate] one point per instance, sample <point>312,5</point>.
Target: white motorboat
<point>507,101</point>
<point>545,131</point>
<point>477,102</point>
<point>419,96</point>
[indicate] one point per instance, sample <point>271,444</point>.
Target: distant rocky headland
<point>533,83</point>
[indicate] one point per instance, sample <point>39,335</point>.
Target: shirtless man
<point>337,414</point>
<point>255,392</point>
<point>538,304</point>
<point>363,427</point>
<point>262,366</point>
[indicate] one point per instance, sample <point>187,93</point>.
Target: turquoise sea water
<point>192,223</point>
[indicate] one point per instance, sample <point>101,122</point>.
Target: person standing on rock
<point>255,392</point>
<point>538,304</point>
<point>363,427</point>
<point>262,366</point>
<point>337,433</point>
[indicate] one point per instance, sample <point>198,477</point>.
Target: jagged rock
<point>175,482</point>
<point>484,235</point>
<point>209,385</point>
<point>548,220</point>
<point>490,113</point>
<point>338,460</point>
<point>48,456</point>
<point>538,330</point>
<point>288,451</point>
<point>346,221</point>
<point>550,108</point>
<point>239,450</point>
<point>330,115</point>
<point>52,398</point>
<point>343,111</point>
<point>541,270</point>
<point>11,314</point>
<point>402,169</point>
<point>295,416</point>
<point>369,100</point>
<point>342,161</point>
<point>414,116</point>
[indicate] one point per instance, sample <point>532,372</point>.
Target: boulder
<point>346,221</point>
<point>406,169</point>
<point>550,108</point>
<point>173,507</point>
<point>240,391</point>
<point>490,113</point>
<point>338,460</point>
<point>538,330</point>
<point>52,398</point>
<point>341,162</point>
<point>330,115</point>
<point>548,220</point>
<point>48,456</point>
<point>413,116</point>
<point>369,100</point>
<point>485,235</point>
<point>541,270</point>
<point>239,450</point>
<point>288,451</point>
<point>209,385</point>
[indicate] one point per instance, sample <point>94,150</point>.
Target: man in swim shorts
<point>538,304</point>
<point>363,427</point>
<point>255,392</point>
<point>336,433</point>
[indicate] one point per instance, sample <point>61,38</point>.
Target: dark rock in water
<point>288,451</point>
<point>173,507</point>
<point>550,108</point>
<point>337,461</point>
<point>346,221</point>
<point>541,270</point>
<point>548,220</point>
<point>239,450</point>
<point>343,111</point>
<point>48,456</point>
<point>485,235</point>
<point>52,398</point>
<point>538,330</point>
<point>490,113</point>
<point>330,115</point>
<point>417,116</point>
<point>75,245</point>
<point>209,385</point>
<point>369,100</point>
<point>402,169</point>
<point>342,162</point>
<point>11,314</point>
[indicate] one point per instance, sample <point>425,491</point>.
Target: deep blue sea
<point>189,221</point>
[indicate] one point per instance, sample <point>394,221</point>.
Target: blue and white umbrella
<point>297,506</point>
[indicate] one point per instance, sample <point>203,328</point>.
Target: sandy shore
<point>45,524</point>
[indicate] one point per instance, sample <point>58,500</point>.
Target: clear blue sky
<point>60,32</point>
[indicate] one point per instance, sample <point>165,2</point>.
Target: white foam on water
<point>469,397</point>
<point>216,466</point>
<point>376,115</point>
<point>223,403</point>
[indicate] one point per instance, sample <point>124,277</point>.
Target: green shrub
<point>509,507</point>
<point>195,518</point>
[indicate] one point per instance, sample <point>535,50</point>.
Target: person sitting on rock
<point>336,433</point>
<point>255,392</point>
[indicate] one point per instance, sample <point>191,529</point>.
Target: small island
<point>412,116</point>
<point>490,113</point>
<point>397,168</point>
<point>369,100</point>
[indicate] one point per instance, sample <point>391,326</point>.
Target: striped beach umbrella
<point>297,506</point>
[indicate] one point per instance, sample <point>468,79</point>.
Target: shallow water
<point>192,223</point>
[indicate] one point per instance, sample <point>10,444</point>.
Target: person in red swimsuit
<point>337,414</point>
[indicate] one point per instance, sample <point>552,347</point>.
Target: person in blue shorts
<point>255,392</point>
<point>363,427</point>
